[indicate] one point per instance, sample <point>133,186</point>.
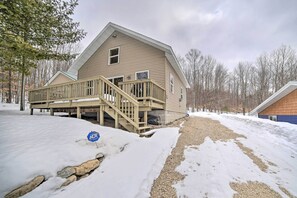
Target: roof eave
<point>285,90</point>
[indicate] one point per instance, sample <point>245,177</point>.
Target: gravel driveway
<point>193,132</point>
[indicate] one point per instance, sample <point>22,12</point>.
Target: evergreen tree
<point>31,30</point>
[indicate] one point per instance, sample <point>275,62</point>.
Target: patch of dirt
<point>194,131</point>
<point>252,190</point>
<point>287,192</point>
<point>249,152</point>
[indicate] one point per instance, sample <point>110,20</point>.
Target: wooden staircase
<point>120,106</point>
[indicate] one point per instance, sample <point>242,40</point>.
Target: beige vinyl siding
<point>172,101</point>
<point>134,56</point>
<point>60,79</point>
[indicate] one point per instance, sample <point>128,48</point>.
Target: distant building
<point>281,106</point>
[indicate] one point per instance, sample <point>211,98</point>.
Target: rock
<point>86,167</point>
<point>99,156</point>
<point>66,172</point>
<point>24,189</point>
<point>69,180</point>
<point>84,176</point>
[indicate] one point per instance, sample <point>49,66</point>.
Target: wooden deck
<point>123,103</point>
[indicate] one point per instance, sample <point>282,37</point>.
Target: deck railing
<point>81,89</point>
<point>144,89</point>
<point>89,88</point>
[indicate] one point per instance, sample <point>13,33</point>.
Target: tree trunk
<point>9,87</point>
<point>22,103</point>
<point>17,96</point>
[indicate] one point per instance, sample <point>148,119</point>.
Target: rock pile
<point>24,189</point>
<point>74,173</point>
<point>70,173</point>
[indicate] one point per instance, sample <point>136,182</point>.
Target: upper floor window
<point>114,56</point>
<point>171,83</point>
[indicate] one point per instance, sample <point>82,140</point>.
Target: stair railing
<point>126,106</point>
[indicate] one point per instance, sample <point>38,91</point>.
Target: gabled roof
<point>66,74</point>
<point>285,90</point>
<point>108,31</point>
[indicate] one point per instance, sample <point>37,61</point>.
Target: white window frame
<point>272,117</point>
<point>171,84</point>
<point>121,76</point>
<point>148,74</point>
<point>109,57</point>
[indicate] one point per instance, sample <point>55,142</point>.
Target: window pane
<point>117,80</point>
<point>114,60</point>
<point>171,83</point>
<point>142,75</point>
<point>114,52</point>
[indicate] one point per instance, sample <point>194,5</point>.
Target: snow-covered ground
<point>43,144</point>
<point>211,166</point>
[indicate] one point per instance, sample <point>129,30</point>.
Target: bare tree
<point>194,59</point>
<point>263,77</point>
<point>283,61</point>
<point>242,72</point>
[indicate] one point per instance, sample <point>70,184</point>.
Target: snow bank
<point>42,145</point>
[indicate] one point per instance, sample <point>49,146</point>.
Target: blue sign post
<point>94,136</point>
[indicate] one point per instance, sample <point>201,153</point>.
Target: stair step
<point>144,127</point>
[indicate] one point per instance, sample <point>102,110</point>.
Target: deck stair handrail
<point>123,104</point>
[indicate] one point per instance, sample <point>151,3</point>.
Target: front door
<point>116,80</point>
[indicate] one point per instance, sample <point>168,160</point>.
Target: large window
<point>142,75</point>
<point>114,56</point>
<point>171,83</point>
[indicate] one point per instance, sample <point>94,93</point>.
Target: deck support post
<point>116,120</point>
<point>101,116</point>
<point>78,113</point>
<point>98,116</point>
<point>31,111</point>
<point>69,114</point>
<point>51,111</point>
<point>145,117</point>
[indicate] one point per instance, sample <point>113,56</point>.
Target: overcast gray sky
<point>229,30</point>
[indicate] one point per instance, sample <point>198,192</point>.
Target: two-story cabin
<point>124,74</point>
